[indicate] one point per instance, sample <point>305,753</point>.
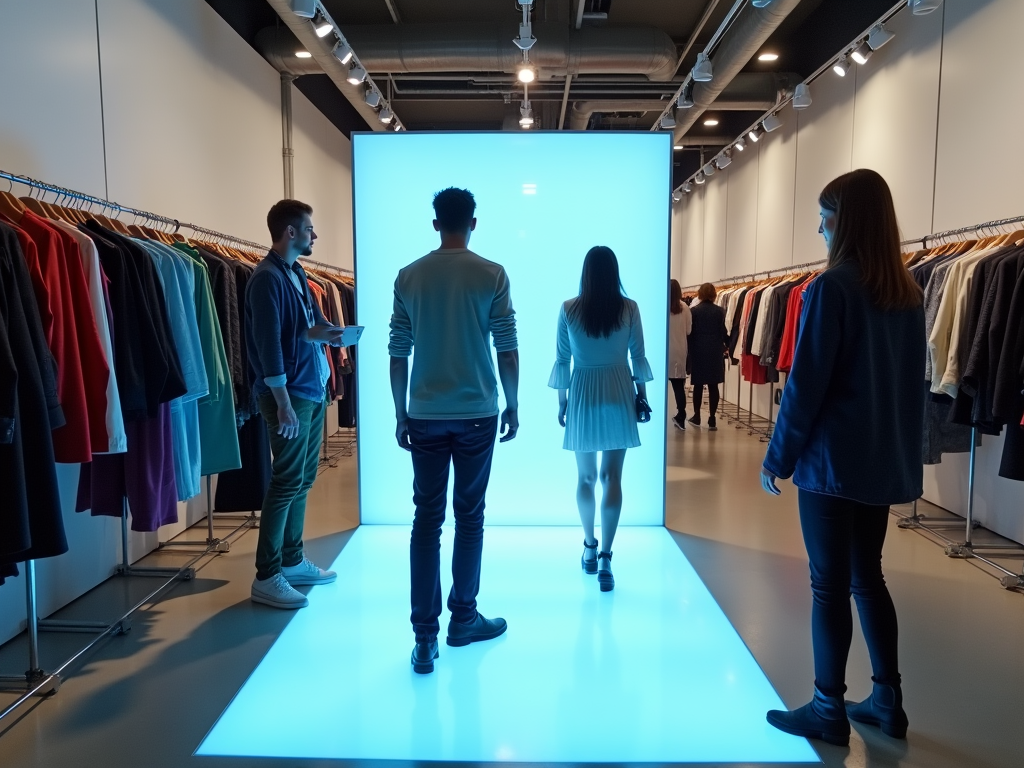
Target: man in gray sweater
<point>447,305</point>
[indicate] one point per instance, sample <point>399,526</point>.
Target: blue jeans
<point>436,445</point>
<point>844,544</point>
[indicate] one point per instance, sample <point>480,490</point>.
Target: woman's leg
<point>611,498</point>
<point>826,522</point>
<point>874,604</point>
<point>698,397</point>
<point>713,396</point>
<point>679,390</point>
<point>586,465</point>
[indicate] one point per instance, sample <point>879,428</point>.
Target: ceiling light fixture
<point>686,100</point>
<point>306,9</point>
<point>356,74</point>
<point>862,53</point>
<point>923,7</point>
<point>768,57</point>
<point>397,126</point>
<point>702,70</point>
<point>526,112</point>
<point>709,170</point>
<point>711,122</point>
<point>771,123</point>
<point>699,178</point>
<point>879,36</point>
<point>668,122</point>
<point>687,187</point>
<point>303,55</point>
<point>373,98</point>
<point>801,96</point>
<point>755,135</point>
<point>841,67</point>
<point>527,74</point>
<point>343,52</point>
<point>386,116</point>
<point>724,161</point>
<point>322,26</point>
<point>677,147</point>
<point>677,196</point>
<point>760,3</point>
<point>740,145</point>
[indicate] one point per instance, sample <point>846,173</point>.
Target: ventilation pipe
<point>751,92</point>
<point>320,49</point>
<point>753,26</point>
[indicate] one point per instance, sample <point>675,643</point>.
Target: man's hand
<point>402,435</point>
<point>768,483</point>
<point>325,334</point>
<point>509,424</point>
<point>287,421</point>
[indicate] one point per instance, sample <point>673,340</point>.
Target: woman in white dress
<point>597,398</point>
<point>679,326</point>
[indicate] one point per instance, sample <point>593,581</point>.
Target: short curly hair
<point>454,209</point>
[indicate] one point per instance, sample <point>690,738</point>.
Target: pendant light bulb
<point>527,74</point>
<point>526,112</point>
<point>702,70</point>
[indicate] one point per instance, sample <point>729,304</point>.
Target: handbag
<point>643,409</point>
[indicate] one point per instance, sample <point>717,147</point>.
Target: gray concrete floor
<point>148,698</point>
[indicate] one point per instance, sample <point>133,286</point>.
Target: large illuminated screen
<point>543,200</point>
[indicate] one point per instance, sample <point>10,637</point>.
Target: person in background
<point>597,402</point>
<point>850,433</point>
<point>285,333</point>
<point>448,306</point>
<point>679,326</point>
<point>709,340</point>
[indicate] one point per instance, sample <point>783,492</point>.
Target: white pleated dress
<point>601,414</point>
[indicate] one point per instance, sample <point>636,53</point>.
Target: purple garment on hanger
<point>145,475</point>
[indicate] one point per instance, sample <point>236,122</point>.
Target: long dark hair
<point>675,297</point>
<point>867,234</point>
<point>601,303</point>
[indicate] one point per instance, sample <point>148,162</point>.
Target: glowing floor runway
<point>651,672</point>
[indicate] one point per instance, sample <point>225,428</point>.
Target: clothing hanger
<point>10,206</point>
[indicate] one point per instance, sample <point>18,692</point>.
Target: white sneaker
<point>277,593</point>
<point>307,572</point>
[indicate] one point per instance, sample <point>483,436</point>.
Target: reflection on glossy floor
<point>150,697</point>
<point>649,666</point>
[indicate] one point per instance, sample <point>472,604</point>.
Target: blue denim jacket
<point>851,420</point>
<point>276,319</point>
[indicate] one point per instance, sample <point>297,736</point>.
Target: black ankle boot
<point>824,718</point>
<point>884,708</point>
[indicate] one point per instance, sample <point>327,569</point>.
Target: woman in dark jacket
<point>849,433</point>
<point>708,341</point>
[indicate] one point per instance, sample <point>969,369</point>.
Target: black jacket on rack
<point>31,523</point>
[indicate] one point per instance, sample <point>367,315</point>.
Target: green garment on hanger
<point>218,435</point>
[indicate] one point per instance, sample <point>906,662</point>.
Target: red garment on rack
<point>789,335</point>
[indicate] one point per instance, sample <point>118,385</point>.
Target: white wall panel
<point>777,177</point>
<point>50,123</point>
<point>193,116</point>
<point>676,239</point>
<point>741,214</point>
<point>716,221</point>
<point>981,114</point>
<point>323,173</point>
<point>825,147</point>
<point>894,124</point>
<point>693,238</point>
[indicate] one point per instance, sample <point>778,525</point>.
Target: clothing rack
<point>329,267</point>
<point>763,275</point>
<point>967,549</point>
<point>35,681</point>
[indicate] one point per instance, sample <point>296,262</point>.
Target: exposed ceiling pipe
<point>486,47</point>
<point>752,27</point>
<point>321,48</point>
<point>751,91</point>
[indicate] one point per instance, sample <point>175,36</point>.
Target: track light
<point>526,112</point>
<point>740,145</point>
<point>677,196</point>
<point>687,187</point>
<point>771,123</point>
<point>760,3</point>
<point>686,100</point>
<point>841,67</point>
<point>303,55</point>
<point>724,161</point>
<point>527,74</point>
<point>343,52</point>
<point>923,7</point>
<point>755,135</point>
<point>879,36</point>
<point>702,70</point>
<point>709,170</point>
<point>801,96</point>
<point>373,98</point>
<point>699,178</point>
<point>668,122</point>
<point>322,26</point>
<point>356,74</point>
<point>386,116</point>
<point>305,9</point>
<point>397,126</point>
<point>862,53</point>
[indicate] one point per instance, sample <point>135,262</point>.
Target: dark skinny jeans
<point>844,544</point>
<point>679,390</point>
<point>698,398</point>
